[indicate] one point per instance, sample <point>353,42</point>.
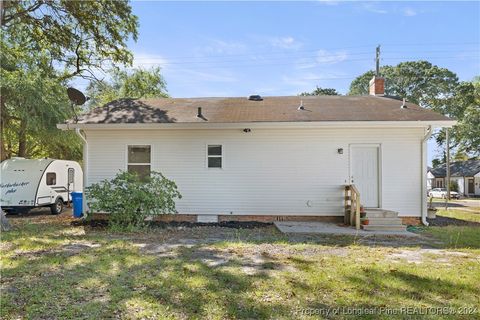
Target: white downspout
<point>85,168</point>
<point>424,175</point>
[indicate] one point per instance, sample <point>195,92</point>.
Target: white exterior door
<point>364,174</point>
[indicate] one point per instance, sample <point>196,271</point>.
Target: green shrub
<point>129,200</point>
<point>454,185</point>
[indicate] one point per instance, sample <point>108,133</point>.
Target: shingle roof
<point>467,168</point>
<point>270,109</point>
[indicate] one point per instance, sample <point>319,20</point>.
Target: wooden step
<point>384,228</point>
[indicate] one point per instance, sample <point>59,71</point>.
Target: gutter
<point>85,168</point>
<point>424,175</point>
<point>258,125</point>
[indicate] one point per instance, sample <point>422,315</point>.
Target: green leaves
<point>43,45</point>
<point>129,201</point>
<point>78,35</point>
<point>138,83</point>
<point>321,92</point>
<point>435,88</point>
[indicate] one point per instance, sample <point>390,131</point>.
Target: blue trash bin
<point>77,200</point>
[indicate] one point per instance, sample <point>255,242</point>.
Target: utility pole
<point>448,169</point>
<point>377,61</point>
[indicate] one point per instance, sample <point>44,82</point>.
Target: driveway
<point>464,204</point>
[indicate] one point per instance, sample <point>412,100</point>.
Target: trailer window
<point>139,160</point>
<point>51,178</point>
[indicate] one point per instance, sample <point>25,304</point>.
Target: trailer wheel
<point>57,207</point>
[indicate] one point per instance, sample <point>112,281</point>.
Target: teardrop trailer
<point>30,183</point>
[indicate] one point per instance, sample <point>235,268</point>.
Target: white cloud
<point>199,76</point>
<point>216,46</point>
<point>329,2</point>
<point>287,42</point>
<point>373,8</point>
<point>409,12</point>
<point>146,60</point>
<point>309,78</point>
<point>322,57</point>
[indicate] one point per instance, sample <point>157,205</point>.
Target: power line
<point>163,61</point>
<point>222,65</point>
<point>318,49</point>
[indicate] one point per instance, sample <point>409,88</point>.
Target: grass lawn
<point>458,236</point>
<point>53,270</point>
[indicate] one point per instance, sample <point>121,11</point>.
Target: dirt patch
<point>181,225</point>
<point>441,221</point>
<point>262,259</point>
<point>422,255</point>
<point>68,249</point>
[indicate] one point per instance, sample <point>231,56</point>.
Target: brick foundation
<point>225,218</point>
<point>411,221</point>
<point>415,221</point>
<point>176,218</point>
<point>264,218</point>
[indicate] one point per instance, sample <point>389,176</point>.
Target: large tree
<point>45,44</point>
<point>34,101</point>
<point>321,92</point>
<point>434,88</point>
<point>137,83</point>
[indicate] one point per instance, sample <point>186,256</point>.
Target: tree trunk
<point>3,151</point>
<point>22,139</point>
<point>4,223</point>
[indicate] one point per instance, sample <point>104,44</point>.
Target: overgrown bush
<point>129,200</point>
<point>454,185</point>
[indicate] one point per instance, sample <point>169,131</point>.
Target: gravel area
<point>180,225</point>
<point>441,221</point>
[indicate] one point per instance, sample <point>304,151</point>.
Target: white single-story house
<point>271,158</point>
<point>465,173</point>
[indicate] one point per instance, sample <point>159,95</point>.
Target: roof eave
<point>258,125</point>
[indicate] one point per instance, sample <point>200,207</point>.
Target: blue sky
<point>284,48</point>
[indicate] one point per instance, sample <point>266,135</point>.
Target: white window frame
<point>138,164</point>
<point>222,156</point>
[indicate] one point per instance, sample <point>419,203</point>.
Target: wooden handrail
<point>352,210</point>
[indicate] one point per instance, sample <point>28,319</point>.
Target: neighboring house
<point>429,179</point>
<point>465,173</point>
<point>271,159</point>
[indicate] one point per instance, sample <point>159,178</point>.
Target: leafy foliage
<point>78,35</point>
<point>321,92</point>
<point>43,45</point>
<point>129,201</point>
<point>138,83</point>
<point>454,185</point>
<point>438,89</point>
<point>33,102</point>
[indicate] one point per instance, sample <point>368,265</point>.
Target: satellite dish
<point>76,96</point>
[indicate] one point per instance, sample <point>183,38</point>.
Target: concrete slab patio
<point>332,228</point>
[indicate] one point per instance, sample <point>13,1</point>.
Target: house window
<point>139,160</point>
<point>51,178</point>
<point>214,156</point>
<point>439,183</point>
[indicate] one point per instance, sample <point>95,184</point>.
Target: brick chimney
<point>377,86</point>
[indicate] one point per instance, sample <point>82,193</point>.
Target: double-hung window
<point>215,156</point>
<point>139,160</point>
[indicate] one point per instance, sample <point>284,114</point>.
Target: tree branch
<point>7,18</point>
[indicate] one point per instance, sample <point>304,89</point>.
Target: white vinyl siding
<point>270,171</point>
